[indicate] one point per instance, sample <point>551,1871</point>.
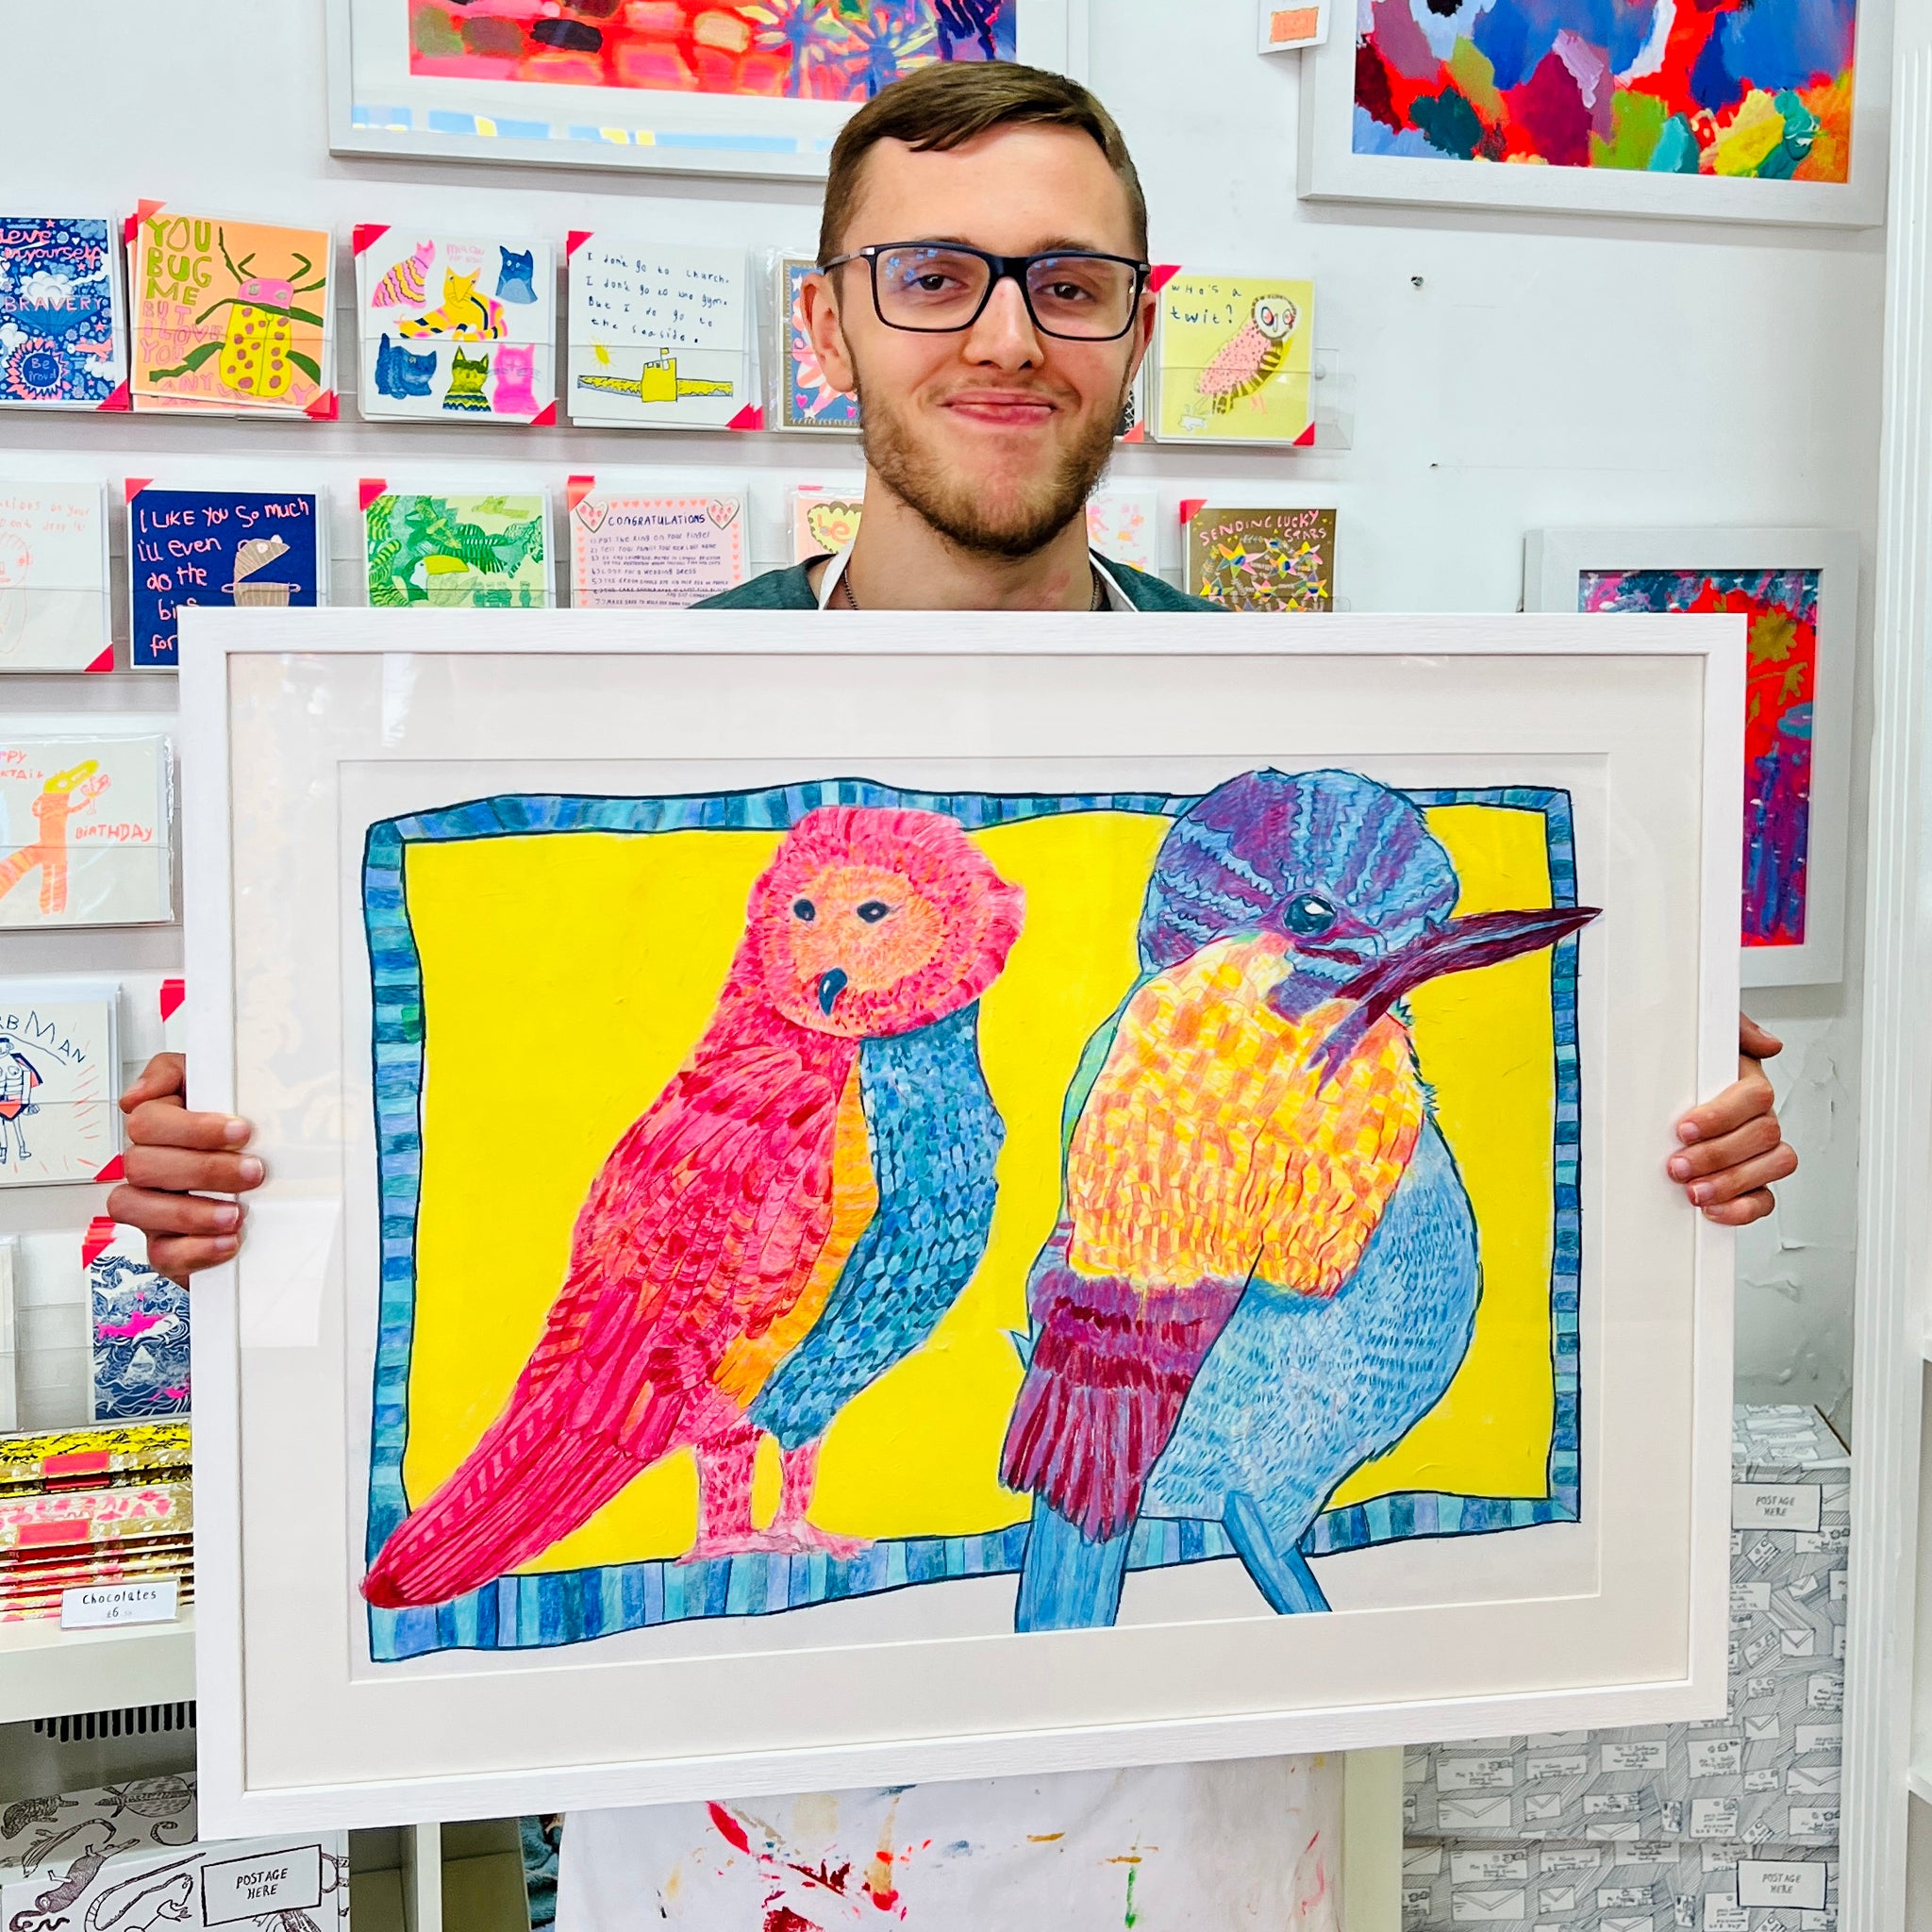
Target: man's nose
<point>1005,335</point>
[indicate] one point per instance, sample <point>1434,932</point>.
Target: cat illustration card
<point>660,337</point>
<point>455,329</point>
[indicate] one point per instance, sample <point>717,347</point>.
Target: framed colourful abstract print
<point>685,87</point>
<point>950,1199</point>
<point>1798,590</point>
<point>1768,111</point>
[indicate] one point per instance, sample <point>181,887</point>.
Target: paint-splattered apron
<point>1177,1848</point>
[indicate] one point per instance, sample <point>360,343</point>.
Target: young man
<point>985,248</point>
<point>993,355</point>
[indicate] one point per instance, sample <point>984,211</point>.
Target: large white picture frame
<point>1331,169</point>
<point>324,749</point>
<point>1820,568</point>
<point>377,104</point>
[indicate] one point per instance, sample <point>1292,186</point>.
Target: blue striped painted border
<point>571,1607</point>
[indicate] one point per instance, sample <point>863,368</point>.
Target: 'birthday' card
<point>483,552</point>
<point>660,337</point>
<point>1263,560</point>
<point>456,329</point>
<point>257,549</point>
<point>63,336</point>
<point>1235,357</point>
<point>54,610</point>
<point>85,825</point>
<point>60,1073</point>
<point>229,317</point>
<point>805,398</point>
<point>653,551</point>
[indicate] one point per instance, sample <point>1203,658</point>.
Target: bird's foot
<point>798,1539</point>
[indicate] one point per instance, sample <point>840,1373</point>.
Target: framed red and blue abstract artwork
<point>1798,590</point>
<point>1738,110</point>
<point>688,86</point>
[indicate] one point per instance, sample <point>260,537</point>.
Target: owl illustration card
<point>1121,524</point>
<point>86,822</point>
<point>1263,560</point>
<point>59,1073</point>
<point>824,519</point>
<point>455,329</point>
<point>63,331</point>
<point>653,551</point>
<point>53,602</point>
<point>1233,356</point>
<point>660,337</point>
<point>253,549</point>
<point>230,317</point>
<point>806,399</point>
<point>456,550</point>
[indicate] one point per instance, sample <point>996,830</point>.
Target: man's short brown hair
<point>947,104</point>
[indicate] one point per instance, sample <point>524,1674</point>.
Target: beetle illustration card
<point>456,329</point>
<point>58,1076</point>
<point>229,316</point>
<point>1233,356</point>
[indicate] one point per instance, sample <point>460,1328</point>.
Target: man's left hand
<point>1732,1147</point>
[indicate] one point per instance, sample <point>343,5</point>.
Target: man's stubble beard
<point>892,454</point>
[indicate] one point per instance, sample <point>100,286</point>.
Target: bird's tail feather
<point>1110,1370</point>
<point>1067,1581</point>
<point>530,1481</point>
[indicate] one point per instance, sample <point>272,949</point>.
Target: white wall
<point>1504,374</point>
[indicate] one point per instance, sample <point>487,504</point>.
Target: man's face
<point>997,433</point>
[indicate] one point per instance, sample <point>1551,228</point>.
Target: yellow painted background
<point>565,977</point>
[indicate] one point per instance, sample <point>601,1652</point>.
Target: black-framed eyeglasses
<point>937,288</point>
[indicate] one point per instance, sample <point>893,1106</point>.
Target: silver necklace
<point>844,589</point>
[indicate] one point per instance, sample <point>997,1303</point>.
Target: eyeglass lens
<point>933,288</point>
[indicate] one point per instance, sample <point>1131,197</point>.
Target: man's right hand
<point>173,1159</point>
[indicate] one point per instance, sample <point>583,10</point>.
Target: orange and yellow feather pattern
<point>1214,1144</point>
<point>748,1361</point>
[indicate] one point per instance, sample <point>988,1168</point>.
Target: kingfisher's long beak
<point>830,985</point>
<point>1460,946</point>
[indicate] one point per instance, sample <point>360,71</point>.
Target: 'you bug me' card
<point>229,317</point>
<point>258,549</point>
<point>62,337</point>
<point>456,330</point>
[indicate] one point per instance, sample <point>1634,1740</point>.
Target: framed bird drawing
<point>1011,1197</point>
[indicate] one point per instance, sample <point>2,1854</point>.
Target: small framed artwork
<point>679,87</point>
<point>1289,29</point>
<point>1798,590</point>
<point>1076,1199</point>
<point>1764,113</point>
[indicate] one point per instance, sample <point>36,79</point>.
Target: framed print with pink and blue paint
<point>687,86</point>
<point>1798,590</point>
<point>994,1197</point>
<point>1765,110</point>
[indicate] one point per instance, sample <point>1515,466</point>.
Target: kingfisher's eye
<point>1309,915</point>
<point>873,910</point>
<point>804,909</point>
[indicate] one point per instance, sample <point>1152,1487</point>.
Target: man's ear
<point>828,334</point>
<point>1143,332</point>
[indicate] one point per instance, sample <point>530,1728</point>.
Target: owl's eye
<point>804,909</point>
<point>873,910</point>
<point>1308,915</point>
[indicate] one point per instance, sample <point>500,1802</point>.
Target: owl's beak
<point>830,985</point>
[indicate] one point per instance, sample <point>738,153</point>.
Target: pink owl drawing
<point>1241,366</point>
<point>407,283</point>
